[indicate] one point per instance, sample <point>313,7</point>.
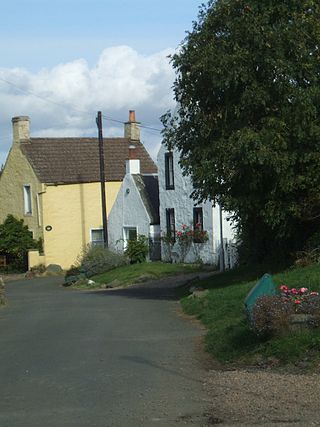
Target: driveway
<point>111,358</point>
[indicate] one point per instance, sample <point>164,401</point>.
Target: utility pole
<point>222,260</point>
<point>102,180</point>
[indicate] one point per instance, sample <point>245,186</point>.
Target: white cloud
<point>63,100</point>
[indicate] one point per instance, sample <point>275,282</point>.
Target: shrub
<point>168,243</point>
<point>15,240</point>
<point>95,260</point>
<point>271,314</point>
<point>138,249</point>
<point>38,269</point>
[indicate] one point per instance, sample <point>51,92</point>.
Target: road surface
<point>111,358</point>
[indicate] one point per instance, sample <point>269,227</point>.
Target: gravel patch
<point>263,398</point>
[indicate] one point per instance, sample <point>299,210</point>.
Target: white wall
<point>127,211</point>
<point>179,199</point>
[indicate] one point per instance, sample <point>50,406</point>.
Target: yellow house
<point>54,185</point>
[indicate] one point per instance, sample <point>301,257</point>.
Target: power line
<point>28,92</point>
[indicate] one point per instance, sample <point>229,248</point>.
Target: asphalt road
<point>120,358</point>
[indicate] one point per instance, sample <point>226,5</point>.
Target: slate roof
<point>148,187</point>
<point>76,160</point>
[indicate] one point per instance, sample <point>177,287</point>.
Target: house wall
<point>127,211</point>
<point>17,173</point>
<point>179,199</point>
<point>72,211</point>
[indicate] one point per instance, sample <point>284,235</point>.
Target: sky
<point>64,60</point>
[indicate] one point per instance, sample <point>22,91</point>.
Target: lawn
<point>137,273</point>
<point>230,339</point>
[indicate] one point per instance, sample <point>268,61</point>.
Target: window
<point>171,226</point>
<point>27,199</point>
<point>197,221</point>
<point>168,162</point>
<point>129,233</point>
<point>97,238</point>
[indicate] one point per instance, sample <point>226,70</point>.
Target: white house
<point>178,209</point>
<point>135,210</point>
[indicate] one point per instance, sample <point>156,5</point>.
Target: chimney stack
<point>21,129</point>
<point>132,128</point>
<point>133,164</point>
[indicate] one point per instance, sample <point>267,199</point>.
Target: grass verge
<point>138,273</point>
<point>230,339</point>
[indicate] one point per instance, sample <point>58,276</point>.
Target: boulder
<point>54,269</point>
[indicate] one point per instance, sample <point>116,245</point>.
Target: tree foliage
<point>16,239</point>
<point>247,119</point>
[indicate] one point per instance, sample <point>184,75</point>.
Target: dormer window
<point>168,164</point>
<point>27,199</point>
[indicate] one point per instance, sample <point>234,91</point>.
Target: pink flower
<point>297,301</point>
<point>284,288</point>
<point>179,233</point>
<point>314,293</point>
<point>303,290</point>
<point>293,291</point>
<point>184,226</point>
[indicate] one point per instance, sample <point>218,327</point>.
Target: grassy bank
<point>229,338</point>
<point>138,273</point>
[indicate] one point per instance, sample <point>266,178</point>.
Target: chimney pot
<point>132,116</point>
<point>132,127</point>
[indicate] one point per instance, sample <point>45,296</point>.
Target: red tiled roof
<point>73,160</point>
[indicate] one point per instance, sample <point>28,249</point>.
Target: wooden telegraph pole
<point>102,180</point>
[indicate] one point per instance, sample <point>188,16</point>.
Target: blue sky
<point>41,33</point>
<point>67,59</point>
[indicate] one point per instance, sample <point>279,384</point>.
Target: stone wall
<point>17,173</point>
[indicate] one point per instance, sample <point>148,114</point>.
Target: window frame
<point>27,200</point>
<point>196,211</point>
<point>171,225</point>
<point>96,242</point>
<point>126,231</point>
<point>169,170</point>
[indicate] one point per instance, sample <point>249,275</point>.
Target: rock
<point>91,282</point>
<point>30,274</point>
<point>199,293</point>
<point>54,269</point>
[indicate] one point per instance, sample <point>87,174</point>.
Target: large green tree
<point>247,121</point>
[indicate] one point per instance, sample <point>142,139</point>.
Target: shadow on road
<point>140,292</point>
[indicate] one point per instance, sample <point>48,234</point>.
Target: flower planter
<point>300,322</point>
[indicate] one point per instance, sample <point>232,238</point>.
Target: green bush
<point>270,315</point>
<point>97,260</point>
<point>137,250</point>
<point>15,241</point>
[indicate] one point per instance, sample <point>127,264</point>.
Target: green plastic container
<point>265,286</point>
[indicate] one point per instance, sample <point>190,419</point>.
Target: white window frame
<point>96,242</point>
<point>27,199</point>
<point>126,228</point>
